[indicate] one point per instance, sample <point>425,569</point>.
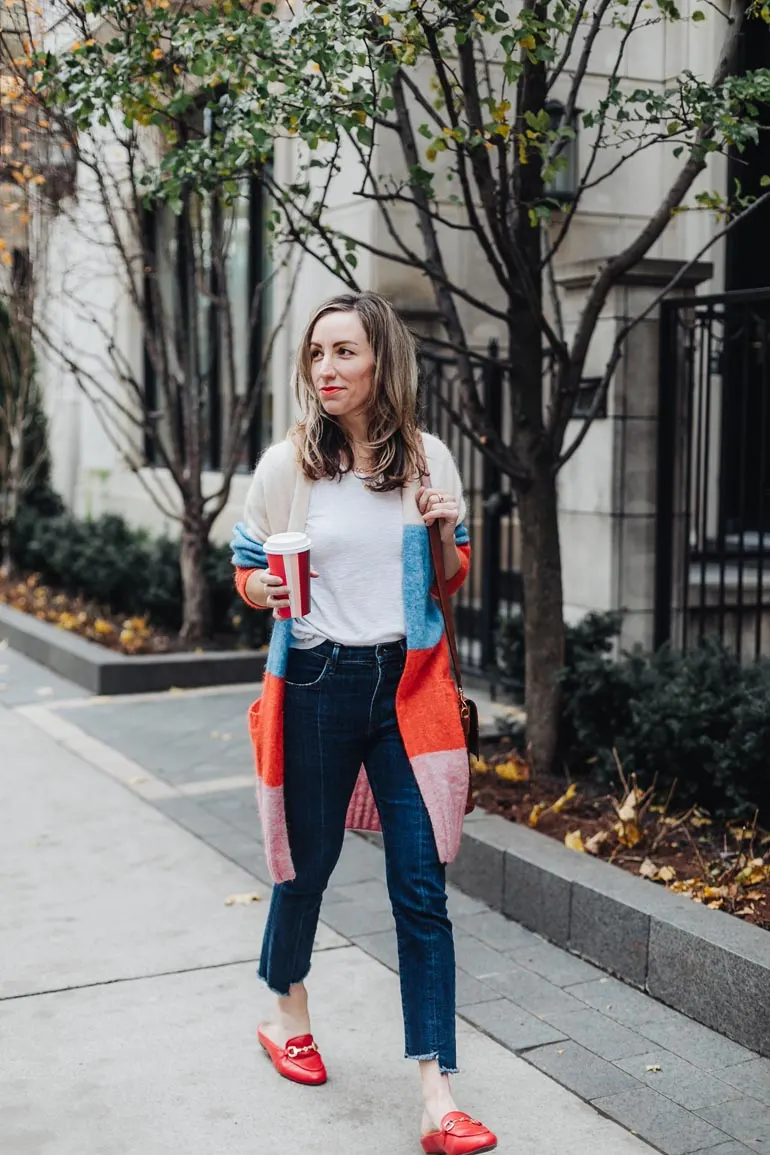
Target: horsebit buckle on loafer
<point>293,1052</point>
<point>453,1123</point>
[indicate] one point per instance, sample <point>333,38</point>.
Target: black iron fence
<point>713,537</point>
<point>493,590</point>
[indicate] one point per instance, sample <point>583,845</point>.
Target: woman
<point>358,724</point>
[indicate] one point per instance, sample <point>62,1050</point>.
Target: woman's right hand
<point>267,590</point>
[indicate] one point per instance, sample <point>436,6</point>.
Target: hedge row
<point>127,570</point>
<point>699,720</point>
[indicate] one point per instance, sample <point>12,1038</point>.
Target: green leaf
<point>764,181</point>
<point>697,16</point>
<point>180,103</point>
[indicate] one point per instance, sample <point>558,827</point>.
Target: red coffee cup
<point>288,557</point>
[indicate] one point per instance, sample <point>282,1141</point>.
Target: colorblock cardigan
<point>426,699</point>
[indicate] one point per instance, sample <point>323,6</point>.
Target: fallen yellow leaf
<point>242,899</point>
<point>536,813</point>
<point>514,770</point>
<point>574,841</point>
<point>628,833</point>
<point>565,799</point>
<point>135,624</point>
<point>596,841</point>
<point>653,1067</point>
<point>648,869</point>
<point>666,874</point>
<point>684,885</point>
<point>627,811</point>
<point>754,872</point>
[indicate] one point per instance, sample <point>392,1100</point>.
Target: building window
<point>205,320</point>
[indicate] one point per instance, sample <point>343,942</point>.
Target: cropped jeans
<point>340,712</point>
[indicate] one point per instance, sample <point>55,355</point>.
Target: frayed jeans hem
<point>282,994</point>
<point>433,1057</point>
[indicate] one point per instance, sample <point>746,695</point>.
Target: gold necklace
<point>358,465</point>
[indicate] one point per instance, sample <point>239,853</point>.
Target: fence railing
<point>713,533</point>
<point>493,590</point>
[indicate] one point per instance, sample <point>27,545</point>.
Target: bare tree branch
<point>596,146</point>
<point>487,242</point>
<point>471,400</point>
<point>577,21</point>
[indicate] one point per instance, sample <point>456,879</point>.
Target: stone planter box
<point>105,672</point>
<point>705,963</point>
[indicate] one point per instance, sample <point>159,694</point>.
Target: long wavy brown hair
<point>393,437</point>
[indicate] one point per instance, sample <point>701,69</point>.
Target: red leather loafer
<point>299,1060</point>
<point>459,1135</point>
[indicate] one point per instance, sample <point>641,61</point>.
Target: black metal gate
<point>493,590</point>
<point>713,536</point>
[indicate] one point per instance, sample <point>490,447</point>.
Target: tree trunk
<point>6,561</point>
<point>196,609</point>
<point>543,615</point>
<point>10,499</point>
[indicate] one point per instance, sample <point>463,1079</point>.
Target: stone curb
<point>105,672</point>
<point>707,964</point>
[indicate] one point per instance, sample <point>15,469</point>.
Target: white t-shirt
<point>356,545</point>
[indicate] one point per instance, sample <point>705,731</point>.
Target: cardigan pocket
<point>254,712</point>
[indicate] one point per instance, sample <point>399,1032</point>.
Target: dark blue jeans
<point>340,712</point>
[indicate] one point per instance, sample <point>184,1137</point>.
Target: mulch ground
<point>724,865</point>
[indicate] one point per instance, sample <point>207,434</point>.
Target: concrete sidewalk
<point>129,999</point>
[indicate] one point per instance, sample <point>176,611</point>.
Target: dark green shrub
<point>128,571</point>
<point>595,634</point>
<point>699,719</point>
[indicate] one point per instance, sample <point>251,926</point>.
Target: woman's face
<point>342,366</point>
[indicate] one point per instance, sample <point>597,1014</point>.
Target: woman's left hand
<point>441,507</point>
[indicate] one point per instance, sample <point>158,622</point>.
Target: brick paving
<point>681,1087</point>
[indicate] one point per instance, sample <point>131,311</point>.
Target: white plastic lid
<point>287,543</point>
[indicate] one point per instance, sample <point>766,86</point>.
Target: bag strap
<point>437,554</point>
